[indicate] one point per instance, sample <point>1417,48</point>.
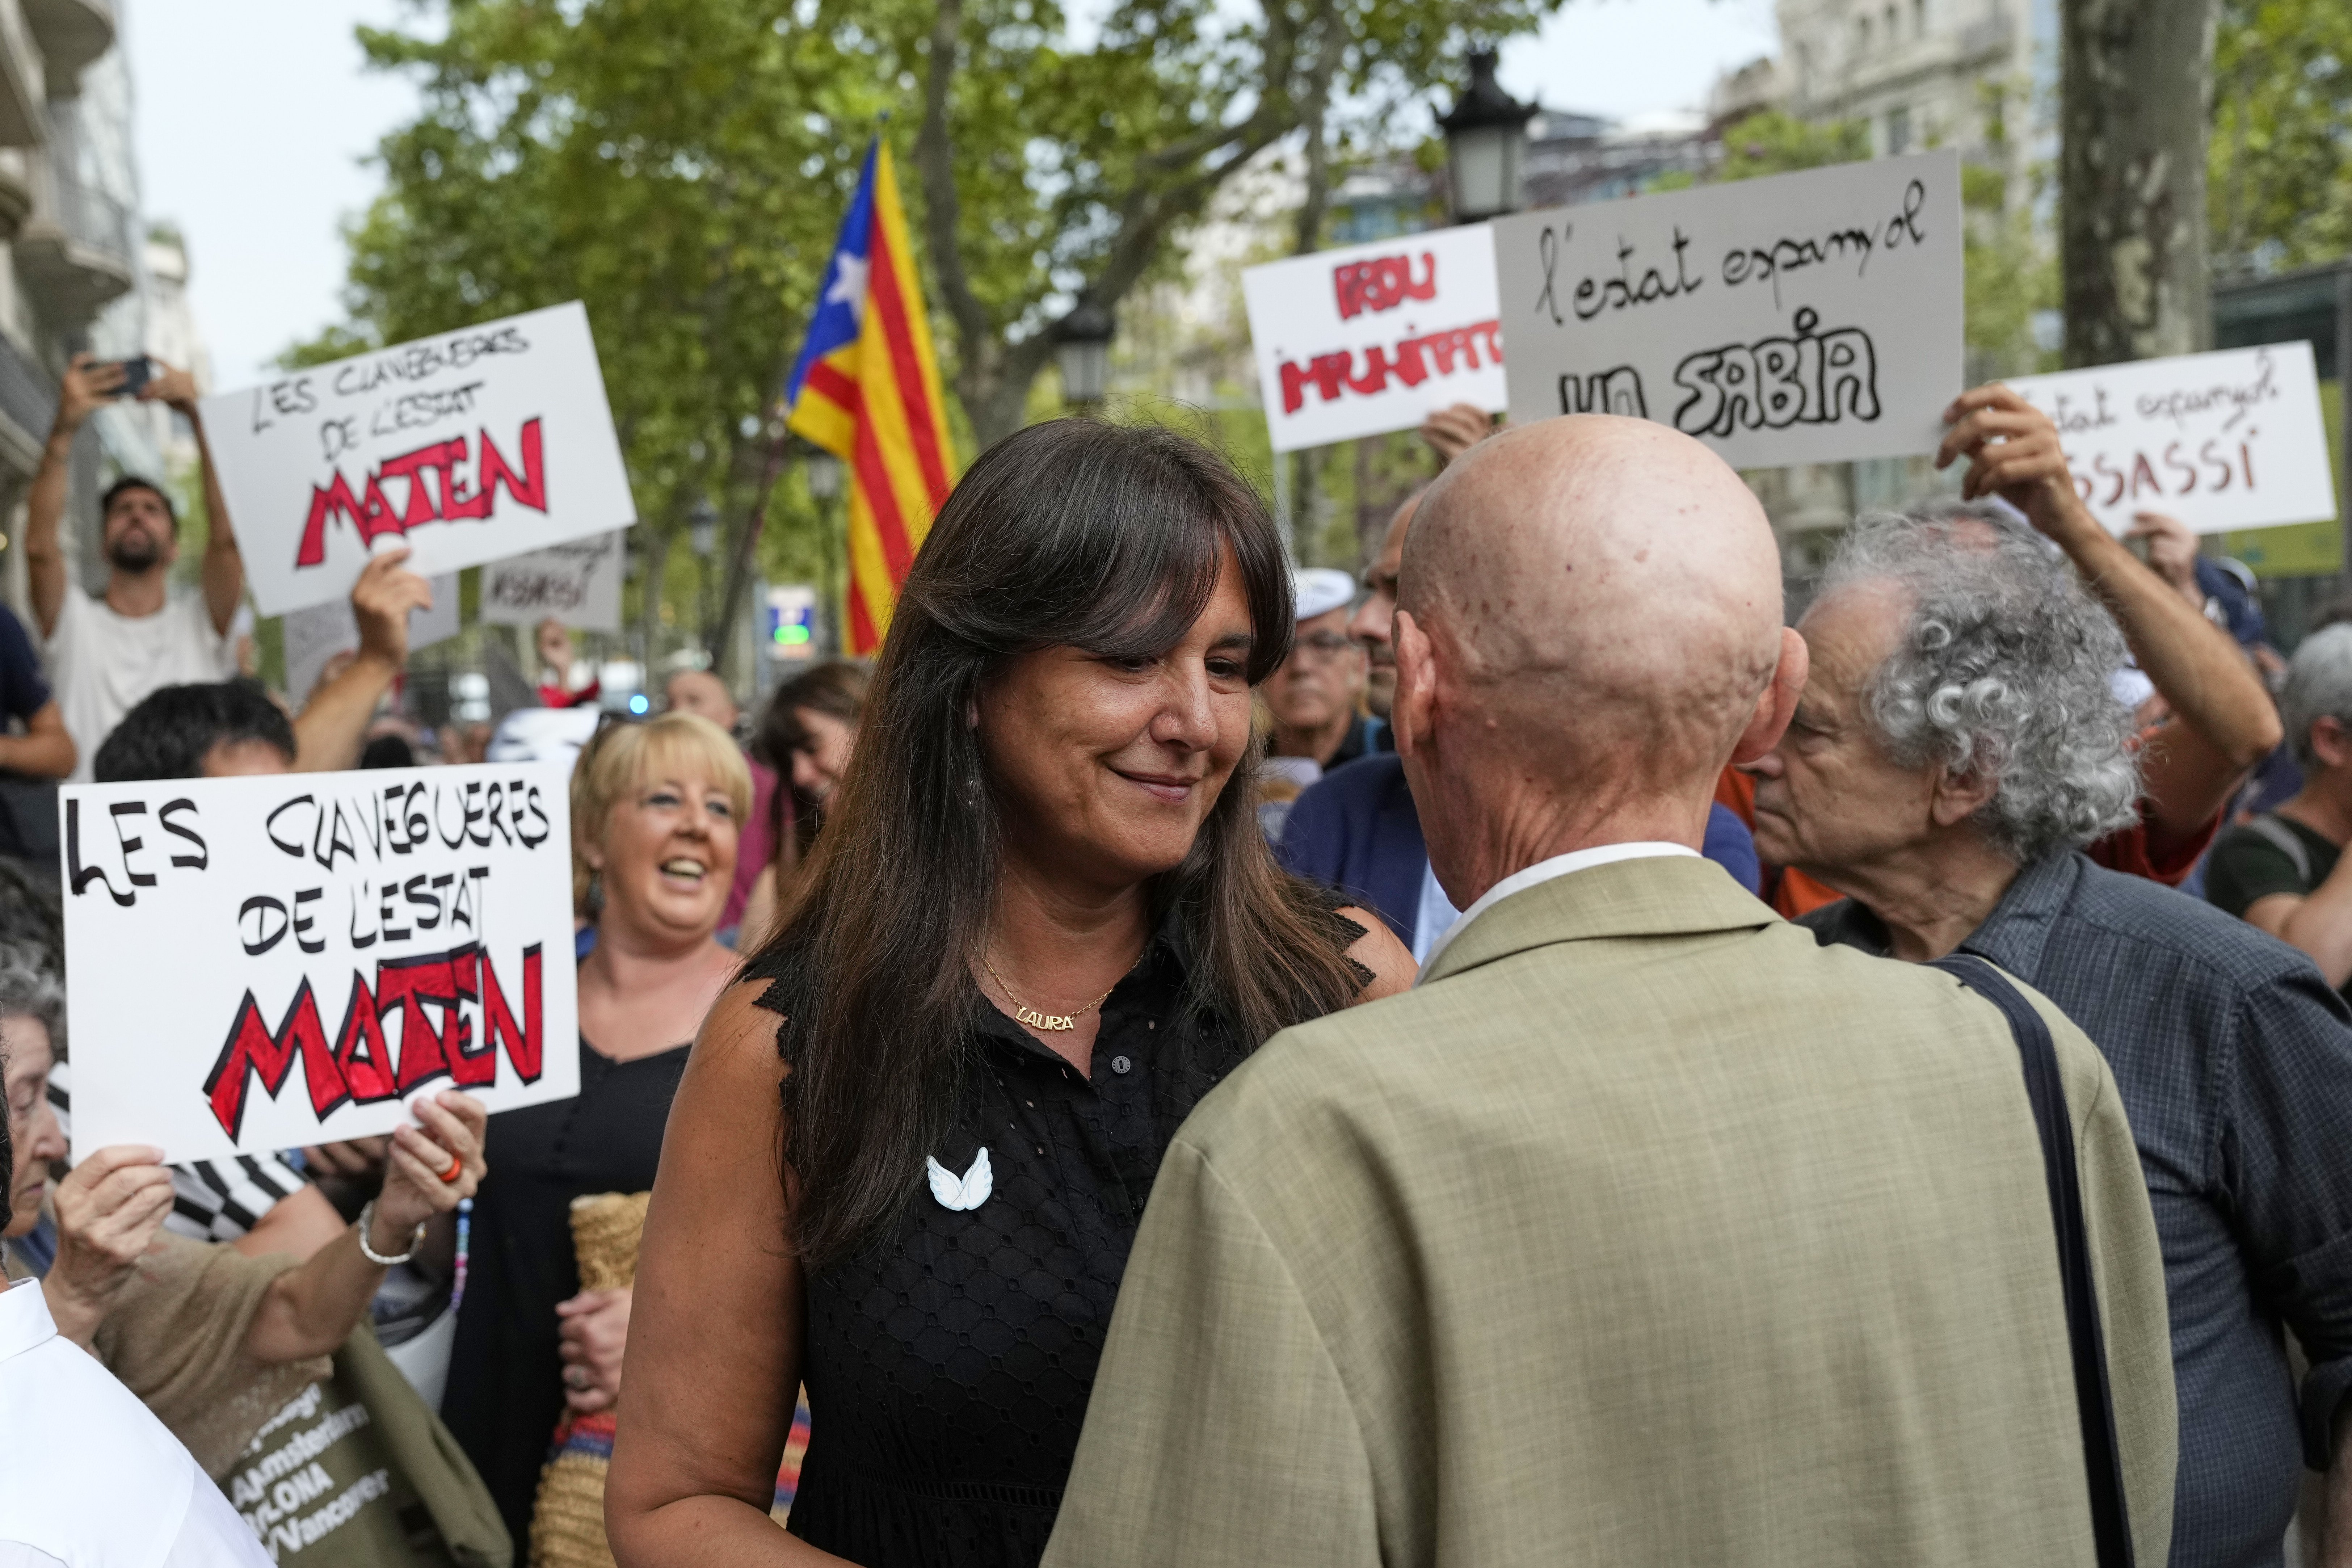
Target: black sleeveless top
<point>948,1367</point>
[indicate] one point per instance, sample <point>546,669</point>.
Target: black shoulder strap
<point>2110,1520</point>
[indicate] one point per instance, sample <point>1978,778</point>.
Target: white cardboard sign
<point>1377,337</point>
<point>468,446</point>
<point>579,584</point>
<point>1807,318</point>
<point>2224,440</point>
<point>268,962</point>
<point>318,633</point>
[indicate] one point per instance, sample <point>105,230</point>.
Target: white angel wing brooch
<point>966,1192</point>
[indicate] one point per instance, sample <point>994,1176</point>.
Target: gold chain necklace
<point>1031,1017</point>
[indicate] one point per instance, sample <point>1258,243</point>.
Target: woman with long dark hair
<point>806,735</point>
<point>1041,923</point>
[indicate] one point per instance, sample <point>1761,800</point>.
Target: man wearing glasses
<point>1316,696</point>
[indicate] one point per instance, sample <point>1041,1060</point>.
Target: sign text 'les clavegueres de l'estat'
<point>362,936</point>
<point>467,448</point>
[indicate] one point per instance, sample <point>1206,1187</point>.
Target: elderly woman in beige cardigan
<point>215,1342</point>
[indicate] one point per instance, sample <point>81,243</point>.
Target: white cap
<point>1321,589</point>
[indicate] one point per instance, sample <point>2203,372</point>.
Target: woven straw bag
<point>567,1522</point>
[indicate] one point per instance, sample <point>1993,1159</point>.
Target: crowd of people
<point>1189,1059</point>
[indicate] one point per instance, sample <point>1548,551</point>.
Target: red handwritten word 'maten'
<point>1412,361</point>
<point>359,1066</point>
<point>1382,283</point>
<point>372,515</point>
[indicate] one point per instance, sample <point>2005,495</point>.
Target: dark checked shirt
<point>948,1367</point>
<point>2234,1059</point>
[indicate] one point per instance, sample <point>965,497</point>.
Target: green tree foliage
<point>681,166</point>
<point>2279,161</point>
<point>1055,172</point>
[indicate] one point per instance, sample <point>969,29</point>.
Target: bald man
<point>1357,830</point>
<point>1643,1231</point>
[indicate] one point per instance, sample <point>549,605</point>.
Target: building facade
<point>74,259</point>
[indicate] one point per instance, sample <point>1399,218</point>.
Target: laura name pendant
<point>1030,1018</point>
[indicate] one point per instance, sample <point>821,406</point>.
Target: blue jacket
<point>1356,829</point>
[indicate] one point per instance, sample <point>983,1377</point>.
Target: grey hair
<point>2002,670</point>
<point>30,987</point>
<point>2319,686</point>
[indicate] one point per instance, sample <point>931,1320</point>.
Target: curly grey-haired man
<point>1957,744</point>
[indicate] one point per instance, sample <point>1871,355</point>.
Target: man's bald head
<point>1601,601</point>
<point>704,695</point>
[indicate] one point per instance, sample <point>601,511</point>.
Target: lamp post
<point>702,534</point>
<point>823,472</point>
<point>1082,348</point>
<point>1485,136</point>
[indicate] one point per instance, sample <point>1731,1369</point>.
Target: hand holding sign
<point>430,1167</point>
<point>109,1209</point>
<point>2013,452</point>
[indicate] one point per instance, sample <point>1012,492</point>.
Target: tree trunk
<point>649,592</point>
<point>2137,90</point>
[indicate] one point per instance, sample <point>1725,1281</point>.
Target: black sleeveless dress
<point>947,1368</point>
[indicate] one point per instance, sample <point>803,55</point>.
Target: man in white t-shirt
<point>107,652</point>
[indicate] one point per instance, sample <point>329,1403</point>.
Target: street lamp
<point>1485,135</point>
<point>1082,347</point>
<point>702,528</point>
<point>823,471</point>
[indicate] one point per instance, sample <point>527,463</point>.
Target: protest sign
<point>318,633</point>
<point>237,951</point>
<point>1376,337</point>
<point>469,446</point>
<point>1808,318</point>
<point>2225,440</point>
<point>579,584</point>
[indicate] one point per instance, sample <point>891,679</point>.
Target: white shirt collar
<point>24,1320</point>
<point>1544,871</point>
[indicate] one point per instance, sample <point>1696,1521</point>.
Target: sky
<point>254,118</point>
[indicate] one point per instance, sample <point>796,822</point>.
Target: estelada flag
<point>866,389</point>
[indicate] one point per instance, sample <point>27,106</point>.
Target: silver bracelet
<point>366,1221</point>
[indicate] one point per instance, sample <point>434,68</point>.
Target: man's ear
<point>2330,741</point>
<point>1777,703</point>
<point>1412,712</point>
<point>1958,796</point>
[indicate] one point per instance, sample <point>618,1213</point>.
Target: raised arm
<point>311,1310</point>
<point>85,383</point>
<point>715,1325</point>
<point>224,573</point>
<point>332,725</point>
<point>2225,722</point>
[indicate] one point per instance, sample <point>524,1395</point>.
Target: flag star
<point>848,282</point>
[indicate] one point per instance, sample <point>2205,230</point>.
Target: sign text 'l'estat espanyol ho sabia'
<point>1806,318</point>
<point>468,446</point>
<point>268,962</point>
<point>2232,440</point>
<point>1375,338</point>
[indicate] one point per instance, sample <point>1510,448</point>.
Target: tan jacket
<point>1643,1232</point>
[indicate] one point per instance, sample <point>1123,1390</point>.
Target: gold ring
<point>456,1168</point>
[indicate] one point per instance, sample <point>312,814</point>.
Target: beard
<point>134,551</point>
